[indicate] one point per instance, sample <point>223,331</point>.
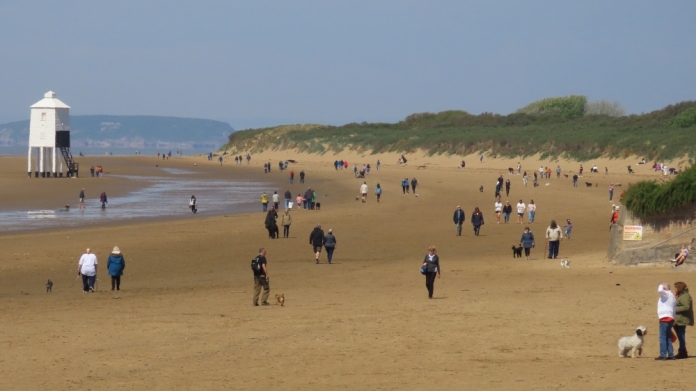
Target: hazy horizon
<point>255,64</point>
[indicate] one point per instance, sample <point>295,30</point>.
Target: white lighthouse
<point>49,128</point>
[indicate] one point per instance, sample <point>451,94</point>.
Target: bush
<point>649,198</point>
<point>684,119</point>
<point>604,107</point>
<point>566,107</point>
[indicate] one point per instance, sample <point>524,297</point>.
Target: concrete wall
<point>656,229</point>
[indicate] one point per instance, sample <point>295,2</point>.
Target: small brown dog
<point>280,299</point>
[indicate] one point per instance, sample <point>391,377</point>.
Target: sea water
<point>161,197</point>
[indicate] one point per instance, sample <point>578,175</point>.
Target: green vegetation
<point>650,197</point>
<point>551,127</point>
<point>566,106</point>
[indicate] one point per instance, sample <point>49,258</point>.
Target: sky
<point>263,63</point>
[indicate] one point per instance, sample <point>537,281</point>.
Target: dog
<point>357,198</point>
<point>566,175</point>
<point>548,184</point>
<point>481,189</point>
<point>588,184</point>
<point>510,170</point>
<point>565,263</point>
<point>516,251</point>
<point>317,206</point>
<point>280,299</point>
<point>633,343</point>
<point>49,286</point>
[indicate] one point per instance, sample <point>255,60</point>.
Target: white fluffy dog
<point>633,343</point>
<point>565,263</point>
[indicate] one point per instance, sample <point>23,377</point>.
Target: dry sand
<point>184,319</point>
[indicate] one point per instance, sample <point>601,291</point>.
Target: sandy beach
<point>184,317</point>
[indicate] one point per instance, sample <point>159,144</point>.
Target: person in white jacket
<point>363,191</point>
<point>665,312</point>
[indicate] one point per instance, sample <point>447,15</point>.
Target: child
<point>568,228</point>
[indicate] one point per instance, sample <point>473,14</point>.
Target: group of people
<point>166,156</point>
<point>238,159</point>
<point>675,311</point>
<point>405,185</point>
<point>87,269</point>
<point>98,171</point>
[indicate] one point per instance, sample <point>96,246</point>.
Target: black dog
<point>588,184</point>
<point>317,206</point>
<point>516,251</point>
<point>481,189</point>
<point>49,286</point>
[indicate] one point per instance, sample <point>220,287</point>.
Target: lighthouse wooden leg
<point>41,162</point>
<point>29,163</point>
<point>53,165</point>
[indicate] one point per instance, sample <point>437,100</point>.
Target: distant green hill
<point>554,127</point>
<point>134,131</point>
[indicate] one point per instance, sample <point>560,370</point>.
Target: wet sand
<point>184,319</point>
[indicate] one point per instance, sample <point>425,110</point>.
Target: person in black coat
<point>414,183</point>
<point>459,218</point>
<point>432,264</point>
<point>477,221</point>
<point>316,239</point>
<point>271,224</point>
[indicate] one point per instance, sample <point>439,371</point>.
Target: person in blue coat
<point>116,264</point>
<point>527,241</point>
<point>477,220</point>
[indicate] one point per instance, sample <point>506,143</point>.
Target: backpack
<point>256,265</point>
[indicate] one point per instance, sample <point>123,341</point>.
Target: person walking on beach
<point>498,206</point>
<point>558,171</point>
<point>288,199</point>
<point>248,157</point>
<point>316,240</point>
<point>458,219</point>
<point>220,160</point>
<point>265,168</point>
<point>259,266</point>
<point>684,312</point>
<point>302,176</point>
<point>414,183</point>
<point>520,211</point>
<point>292,176</point>
<point>519,168</point>
<point>611,192</point>
<point>527,241</point>
<point>270,223</point>
<point>264,201</point>
<point>82,198</point>
<point>103,200</point>
<point>404,185</point>
<point>507,211</point>
<point>192,204</point>
<point>554,236</point>
<point>378,192</point>
<point>432,269</point>
<point>378,165</point>
<point>88,270</point>
<point>531,211</point>
<point>507,187</point>
<point>477,220</point>
<point>568,228</point>
<point>666,306</point>
<point>330,244</point>
<point>115,265</point>
<point>308,198</point>
<point>575,180</point>
<point>524,179</point>
<point>276,200</point>
<point>285,221</point>
<point>299,201</point>
<point>363,191</point>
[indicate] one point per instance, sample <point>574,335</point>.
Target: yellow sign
<point>633,232</point>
